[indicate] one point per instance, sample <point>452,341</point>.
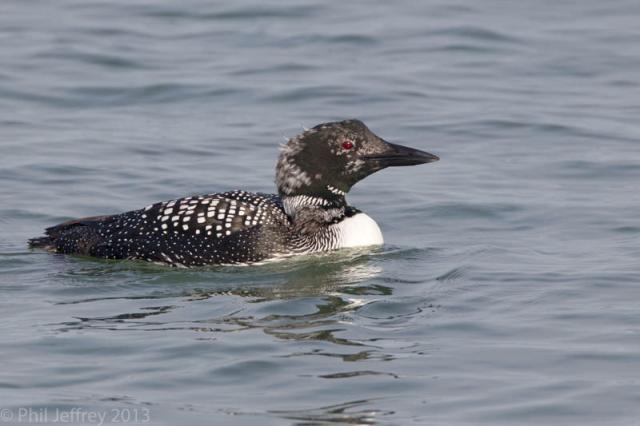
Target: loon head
<point>326,161</point>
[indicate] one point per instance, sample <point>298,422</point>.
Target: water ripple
<point>507,290</point>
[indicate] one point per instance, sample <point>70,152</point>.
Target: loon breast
<point>358,230</point>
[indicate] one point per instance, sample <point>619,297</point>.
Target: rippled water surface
<point>508,291</point>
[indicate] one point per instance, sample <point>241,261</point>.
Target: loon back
<point>310,214</point>
<point>232,227</point>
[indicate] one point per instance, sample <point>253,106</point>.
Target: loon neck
<point>320,224</point>
<point>330,204</point>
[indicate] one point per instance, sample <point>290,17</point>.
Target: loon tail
<point>45,242</point>
<point>58,237</point>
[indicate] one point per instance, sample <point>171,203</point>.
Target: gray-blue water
<point>508,291</point>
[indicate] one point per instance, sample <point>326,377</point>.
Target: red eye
<point>347,145</point>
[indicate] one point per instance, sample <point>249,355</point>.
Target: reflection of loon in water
<point>343,274</point>
<point>310,214</point>
<point>337,283</point>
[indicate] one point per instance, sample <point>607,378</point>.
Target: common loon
<point>315,170</point>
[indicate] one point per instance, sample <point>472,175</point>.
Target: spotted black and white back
<point>231,227</point>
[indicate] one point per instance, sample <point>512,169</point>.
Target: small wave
<point>101,59</point>
<point>452,274</point>
<point>359,373</point>
<point>103,96</point>
<point>473,210</point>
<point>238,14</point>
<point>476,33</point>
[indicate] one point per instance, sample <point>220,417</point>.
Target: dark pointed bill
<point>399,155</point>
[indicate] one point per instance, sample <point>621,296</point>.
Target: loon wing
<point>230,227</point>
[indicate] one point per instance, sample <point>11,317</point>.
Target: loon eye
<point>347,144</point>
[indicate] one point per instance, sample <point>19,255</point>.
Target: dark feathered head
<point>327,160</point>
